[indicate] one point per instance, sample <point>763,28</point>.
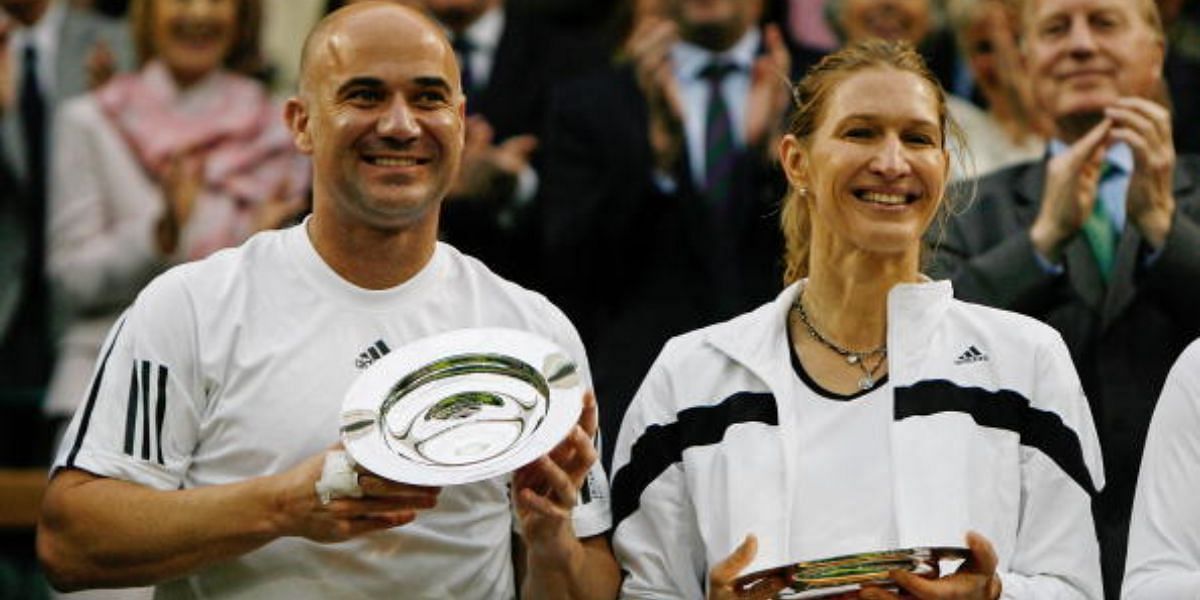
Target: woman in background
<point>865,408</point>
<point>1009,130</point>
<point>168,164</point>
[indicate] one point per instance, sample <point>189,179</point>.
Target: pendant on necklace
<point>852,359</point>
<point>866,383</point>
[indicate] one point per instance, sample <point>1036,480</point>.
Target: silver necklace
<point>867,381</point>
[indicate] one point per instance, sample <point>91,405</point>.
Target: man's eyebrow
<point>432,82</point>
<point>360,82</point>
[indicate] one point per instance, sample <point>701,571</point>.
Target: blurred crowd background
<point>138,134</point>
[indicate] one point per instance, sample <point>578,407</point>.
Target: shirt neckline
<point>327,282</point>
<point>817,388</point>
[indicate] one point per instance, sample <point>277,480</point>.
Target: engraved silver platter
<point>461,406</point>
<point>842,575</point>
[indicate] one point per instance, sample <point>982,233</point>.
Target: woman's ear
<point>794,160</point>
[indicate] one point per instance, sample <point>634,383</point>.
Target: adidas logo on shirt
<point>971,355</point>
<point>371,354</point>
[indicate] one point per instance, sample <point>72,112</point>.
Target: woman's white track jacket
<point>991,433</point>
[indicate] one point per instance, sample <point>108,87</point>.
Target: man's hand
<point>384,504</point>
<point>649,49</point>
<point>770,94</point>
<point>282,207</point>
<point>1146,127</point>
<point>1070,192</point>
<point>490,170</point>
<point>546,490</point>
<point>975,580</point>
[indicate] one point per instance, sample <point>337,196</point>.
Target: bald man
<point>193,461</point>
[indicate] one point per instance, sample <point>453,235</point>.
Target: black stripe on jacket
<point>1002,409</point>
<point>660,446</point>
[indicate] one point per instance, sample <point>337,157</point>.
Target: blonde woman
<point>865,408</point>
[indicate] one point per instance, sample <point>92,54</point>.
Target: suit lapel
<point>1123,290</point>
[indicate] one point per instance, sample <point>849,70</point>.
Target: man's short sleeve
<point>140,418</point>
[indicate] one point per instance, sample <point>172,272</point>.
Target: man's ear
<point>295,115</point>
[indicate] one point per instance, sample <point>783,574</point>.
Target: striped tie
<point>1099,230</point>
<point>720,149</point>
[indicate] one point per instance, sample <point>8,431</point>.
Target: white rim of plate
<point>363,432</point>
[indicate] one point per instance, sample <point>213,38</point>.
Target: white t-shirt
<point>842,449</point>
<point>235,366</point>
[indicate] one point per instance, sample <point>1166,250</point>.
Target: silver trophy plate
<point>461,406</point>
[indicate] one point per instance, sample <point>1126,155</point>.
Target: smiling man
<point>1100,238</point>
<point>193,461</point>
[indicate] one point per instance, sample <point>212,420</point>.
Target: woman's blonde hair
<point>244,55</point>
<point>812,96</point>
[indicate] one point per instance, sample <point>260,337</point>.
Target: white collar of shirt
<point>484,35</point>
<point>688,60</point>
<point>44,36</point>
<point>1112,188</point>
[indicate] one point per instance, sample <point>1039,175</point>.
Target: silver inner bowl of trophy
<point>464,409</point>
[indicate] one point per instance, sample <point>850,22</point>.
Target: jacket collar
<point>754,339</point>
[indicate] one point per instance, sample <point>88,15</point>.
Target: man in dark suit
<point>659,195</point>
<point>54,50</point>
<point>1101,239</point>
<point>510,57</point>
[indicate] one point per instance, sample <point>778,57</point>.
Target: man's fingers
<point>521,146</point>
<point>1088,145</point>
<point>354,527</point>
<point>373,485</point>
<point>528,499</point>
<point>589,420</point>
<point>725,572</point>
<point>1153,112</point>
<point>1145,125</point>
<point>561,484</point>
<point>776,48</point>
<point>583,459</point>
<point>363,507</point>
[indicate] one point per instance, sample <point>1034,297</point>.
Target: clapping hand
<point>1070,192</point>
<point>181,184</point>
<point>770,93</point>
<point>282,207</point>
<point>649,49</point>
<point>1146,127</point>
<point>101,64</point>
<point>490,170</point>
